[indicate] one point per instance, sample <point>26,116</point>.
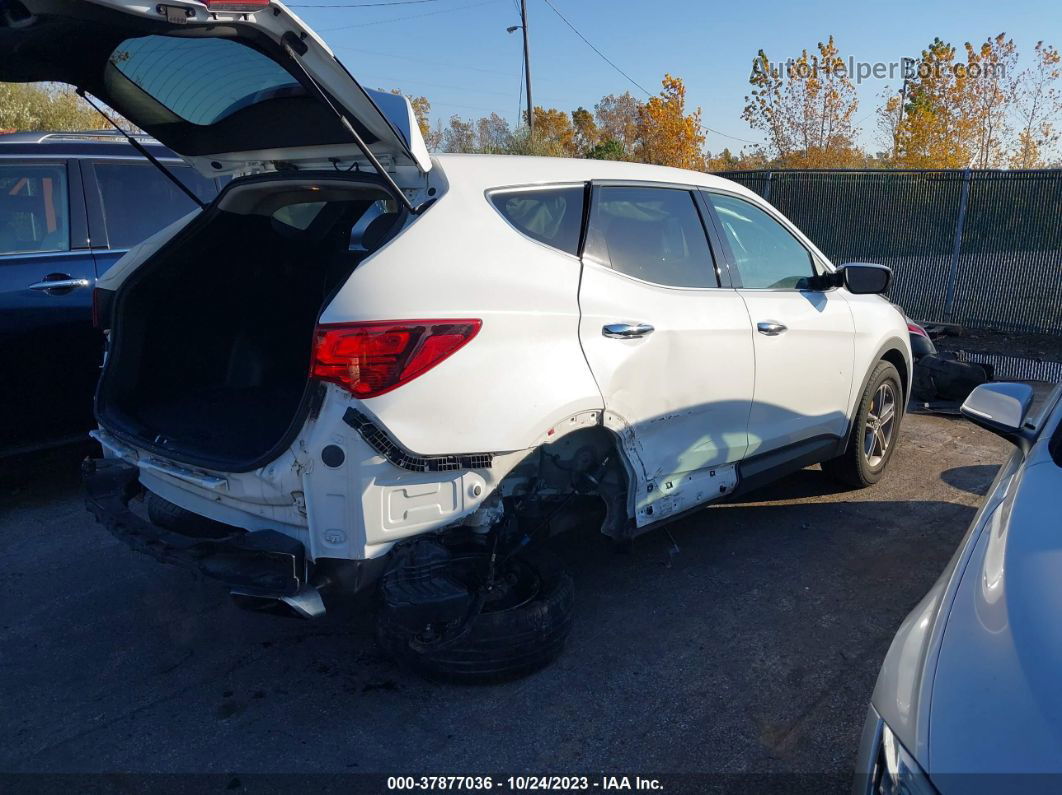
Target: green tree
<point>45,106</point>
<point>933,124</point>
<point>608,149</point>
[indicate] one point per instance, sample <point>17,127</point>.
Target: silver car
<point>969,697</point>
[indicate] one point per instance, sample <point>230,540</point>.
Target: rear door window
<point>138,200</point>
<point>553,216</point>
<point>652,234</point>
<point>34,208</point>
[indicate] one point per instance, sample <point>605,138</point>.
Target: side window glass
<point>765,252</point>
<point>34,209</point>
<point>653,234</point>
<point>138,200</point>
<point>553,216</point>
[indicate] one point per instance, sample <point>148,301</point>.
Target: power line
<point>595,49</point>
<point>344,48</point>
<point>629,78</point>
<point>414,82</point>
<point>410,16</point>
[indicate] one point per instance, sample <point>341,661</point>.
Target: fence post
<point>953,270</point>
<point>767,189</point>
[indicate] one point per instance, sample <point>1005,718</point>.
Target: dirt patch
<point>1038,347</point>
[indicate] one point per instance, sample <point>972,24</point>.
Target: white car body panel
<point>527,353</point>
<point>679,401</point>
<point>701,348</point>
<point>803,375</point>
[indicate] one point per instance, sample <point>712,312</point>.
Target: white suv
<point>362,365</point>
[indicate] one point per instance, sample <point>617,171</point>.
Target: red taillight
<point>236,5</point>
<point>914,328</point>
<point>369,359</point>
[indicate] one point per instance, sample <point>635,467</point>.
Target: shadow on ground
<point>973,479</point>
<point>745,639</point>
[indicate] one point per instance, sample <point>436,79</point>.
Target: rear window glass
<point>138,200</point>
<point>553,216</point>
<point>231,76</point>
<point>33,209</point>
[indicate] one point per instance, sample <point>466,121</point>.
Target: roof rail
<point>71,135</point>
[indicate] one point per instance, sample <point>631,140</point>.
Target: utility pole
<point>527,71</point>
<point>904,66</point>
<point>527,63</point>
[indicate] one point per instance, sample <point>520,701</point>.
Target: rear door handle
<point>626,331</point>
<point>771,328</point>
<point>60,284</point>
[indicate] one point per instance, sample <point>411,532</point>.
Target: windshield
<point>231,76</point>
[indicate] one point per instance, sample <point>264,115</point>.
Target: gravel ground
<point>1038,347</point>
<point>745,641</point>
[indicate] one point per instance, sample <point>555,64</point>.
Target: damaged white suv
<point>365,366</point>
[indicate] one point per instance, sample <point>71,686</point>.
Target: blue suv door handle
<point>59,284</point>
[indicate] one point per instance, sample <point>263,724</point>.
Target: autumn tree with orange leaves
<point>930,122</point>
<point>804,108</point>
<point>667,135</point>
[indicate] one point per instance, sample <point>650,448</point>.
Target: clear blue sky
<point>458,54</point>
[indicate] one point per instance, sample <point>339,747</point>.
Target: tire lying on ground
<point>516,629</point>
<point>179,520</point>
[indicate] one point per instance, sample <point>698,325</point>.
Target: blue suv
<point>70,205</point>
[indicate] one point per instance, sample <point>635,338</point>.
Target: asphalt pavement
<point>744,641</point>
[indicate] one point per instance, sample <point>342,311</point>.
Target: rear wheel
<point>517,626</point>
<point>875,431</point>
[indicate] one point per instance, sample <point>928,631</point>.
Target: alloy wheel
<point>880,425</point>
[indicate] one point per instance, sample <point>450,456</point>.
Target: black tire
<point>497,645</point>
<point>856,467</point>
<point>180,520</point>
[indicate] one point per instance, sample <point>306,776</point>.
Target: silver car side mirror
<point>1000,407</point>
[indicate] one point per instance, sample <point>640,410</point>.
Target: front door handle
<point>626,331</point>
<point>771,328</point>
<point>59,284</point>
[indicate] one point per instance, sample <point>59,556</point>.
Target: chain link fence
<point>982,249</point>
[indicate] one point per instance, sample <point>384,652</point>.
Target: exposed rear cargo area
<point>213,337</point>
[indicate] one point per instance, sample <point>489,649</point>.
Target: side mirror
<point>1000,407</point>
<point>865,278</point>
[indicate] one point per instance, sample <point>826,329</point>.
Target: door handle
<point>60,284</point>
<point>626,331</point>
<point>771,328</point>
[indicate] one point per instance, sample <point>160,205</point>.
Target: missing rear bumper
<point>263,563</point>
